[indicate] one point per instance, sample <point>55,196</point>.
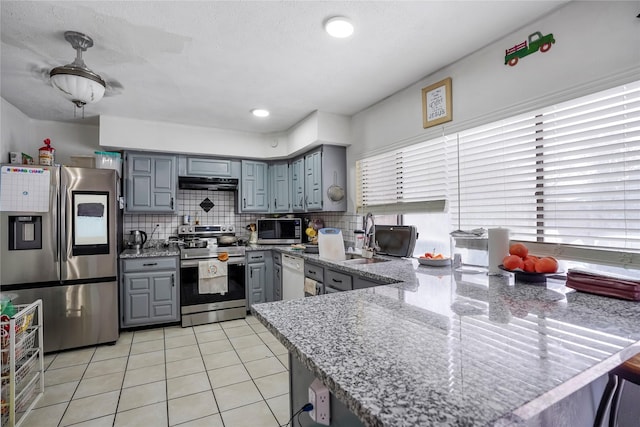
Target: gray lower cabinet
<point>360,282</point>
<point>258,277</point>
<point>150,183</point>
<point>277,276</point>
<point>149,291</point>
<point>335,280</point>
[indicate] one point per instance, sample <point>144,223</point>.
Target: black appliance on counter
<point>202,243</point>
<point>395,240</point>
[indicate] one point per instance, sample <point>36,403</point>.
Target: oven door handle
<point>195,262</point>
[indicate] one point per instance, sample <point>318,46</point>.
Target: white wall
<point>67,138</point>
<point>597,46</point>
<point>16,132</point>
<point>134,134</point>
<point>22,134</point>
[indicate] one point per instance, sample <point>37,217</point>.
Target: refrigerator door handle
<point>55,228</point>
<point>63,227</point>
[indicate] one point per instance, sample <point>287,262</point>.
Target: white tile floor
<point>229,374</point>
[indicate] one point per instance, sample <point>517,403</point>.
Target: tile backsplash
<point>222,212</point>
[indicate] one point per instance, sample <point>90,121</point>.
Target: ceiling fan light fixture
<point>76,81</point>
<point>339,27</point>
<point>260,112</point>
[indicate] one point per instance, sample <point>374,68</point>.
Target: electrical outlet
<point>319,397</point>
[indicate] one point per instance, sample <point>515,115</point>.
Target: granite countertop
<point>155,249</point>
<point>450,348</point>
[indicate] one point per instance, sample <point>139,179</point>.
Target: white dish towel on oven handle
<point>212,277</point>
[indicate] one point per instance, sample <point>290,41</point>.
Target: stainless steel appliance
<point>202,243</point>
<point>58,232</point>
<point>137,239</point>
<point>279,231</point>
<point>395,240</point>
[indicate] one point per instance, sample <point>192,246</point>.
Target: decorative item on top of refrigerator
<point>46,153</point>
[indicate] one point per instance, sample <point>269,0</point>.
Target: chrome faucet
<point>369,232</point>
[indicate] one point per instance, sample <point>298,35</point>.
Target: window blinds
<point>412,179</point>
<point>566,174</point>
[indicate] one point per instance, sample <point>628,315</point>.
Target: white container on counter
<point>331,244</point>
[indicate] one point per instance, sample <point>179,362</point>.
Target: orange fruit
<point>518,249</point>
<point>511,262</point>
<point>547,265</point>
<point>530,264</point>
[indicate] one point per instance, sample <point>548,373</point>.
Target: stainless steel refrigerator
<point>58,237</point>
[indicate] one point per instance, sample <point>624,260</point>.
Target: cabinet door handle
<point>173,280</point>
<point>149,264</point>
<point>251,273</point>
<point>171,202</point>
<point>275,203</point>
<point>244,202</point>
<point>336,281</point>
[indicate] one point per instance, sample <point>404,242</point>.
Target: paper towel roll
<point>498,248</point>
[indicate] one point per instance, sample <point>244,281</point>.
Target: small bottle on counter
<point>46,153</point>
<point>359,236</point>
<point>196,219</point>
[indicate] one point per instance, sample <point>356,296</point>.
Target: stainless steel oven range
<point>201,244</point>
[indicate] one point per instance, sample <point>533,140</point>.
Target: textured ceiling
<point>208,63</point>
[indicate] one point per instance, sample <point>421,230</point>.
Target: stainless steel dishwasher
<point>292,277</point>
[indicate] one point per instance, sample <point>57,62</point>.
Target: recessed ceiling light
<point>339,27</point>
<point>259,112</point>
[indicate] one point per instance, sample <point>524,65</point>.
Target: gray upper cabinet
<point>254,187</point>
<point>208,167</point>
<point>326,179</point>
<point>151,183</point>
<point>297,185</point>
<point>280,187</point>
<point>313,181</point>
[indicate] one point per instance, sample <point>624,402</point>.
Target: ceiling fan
<point>76,81</point>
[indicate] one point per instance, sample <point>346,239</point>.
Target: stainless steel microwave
<point>279,231</point>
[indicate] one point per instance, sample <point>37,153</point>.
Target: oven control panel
<point>204,230</point>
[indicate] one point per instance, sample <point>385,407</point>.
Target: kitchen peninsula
<point>450,348</point>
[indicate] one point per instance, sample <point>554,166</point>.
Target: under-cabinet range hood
<point>207,183</point>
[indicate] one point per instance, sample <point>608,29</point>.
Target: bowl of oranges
<point>527,267</point>
<point>434,260</point>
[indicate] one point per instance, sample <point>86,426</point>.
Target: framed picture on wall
<point>436,103</point>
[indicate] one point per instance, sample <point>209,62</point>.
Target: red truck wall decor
<point>536,42</point>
